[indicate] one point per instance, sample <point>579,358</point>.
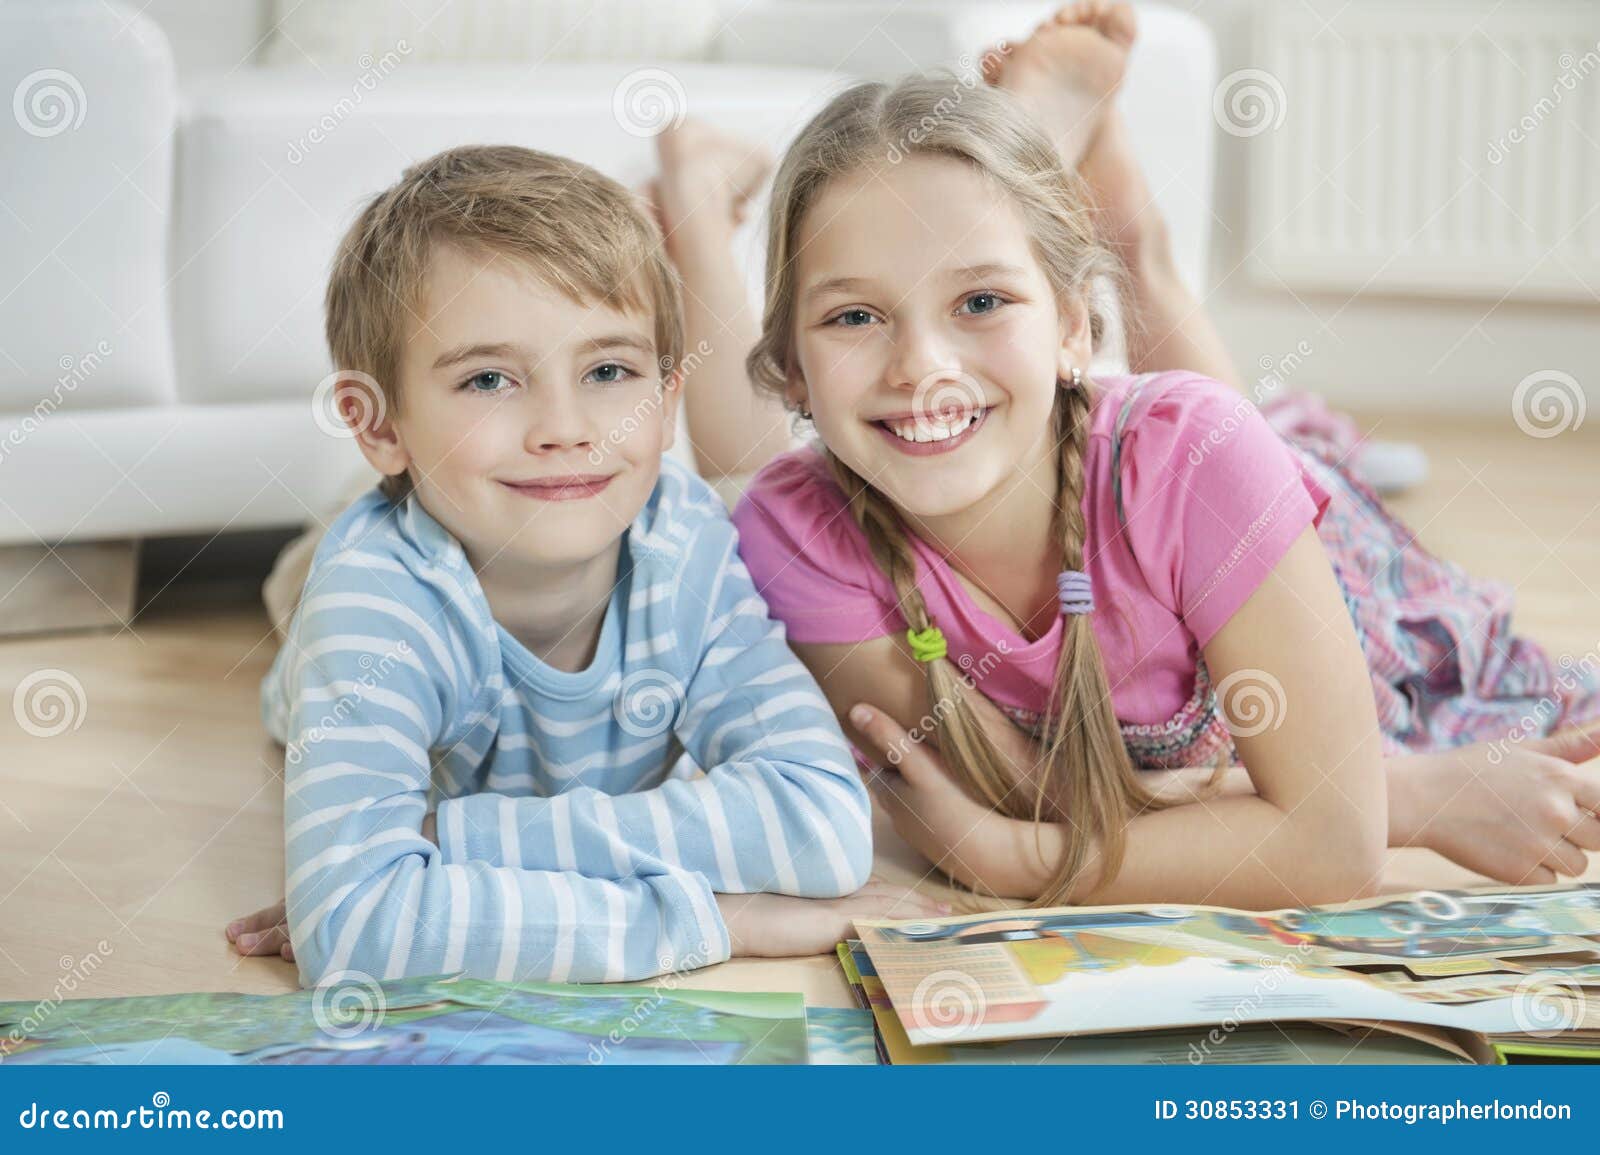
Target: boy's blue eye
<point>993,302</point>
<point>489,381</point>
<point>611,373</point>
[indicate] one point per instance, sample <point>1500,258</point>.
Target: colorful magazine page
<point>841,1037</point>
<point>1261,1043</point>
<point>442,1020</point>
<point>1085,970</point>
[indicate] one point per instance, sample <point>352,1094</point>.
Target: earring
<point>805,411</point>
<point>1077,377</point>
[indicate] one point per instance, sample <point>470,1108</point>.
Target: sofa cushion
<point>275,164</point>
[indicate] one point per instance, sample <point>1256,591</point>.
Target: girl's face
<point>927,339</point>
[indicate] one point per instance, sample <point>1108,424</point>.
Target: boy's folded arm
<point>779,808</point>
<point>368,895</point>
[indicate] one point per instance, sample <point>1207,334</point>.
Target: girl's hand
<point>264,932</point>
<point>782,926</point>
<point>933,813</point>
<point>1520,814</point>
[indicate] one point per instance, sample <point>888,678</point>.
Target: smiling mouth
<point>920,436</point>
<point>561,488</point>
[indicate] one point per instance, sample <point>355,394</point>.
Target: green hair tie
<point>926,645</point>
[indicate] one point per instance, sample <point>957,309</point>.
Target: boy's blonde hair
<point>1085,778</point>
<point>578,230</point>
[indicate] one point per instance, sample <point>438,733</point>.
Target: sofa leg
<point>70,586</point>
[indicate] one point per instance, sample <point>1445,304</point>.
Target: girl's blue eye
<point>611,373</point>
<point>489,381</point>
<point>994,302</point>
<point>853,318</point>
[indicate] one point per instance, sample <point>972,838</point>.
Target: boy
<point>538,722</point>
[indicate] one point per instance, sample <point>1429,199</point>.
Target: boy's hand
<point>1522,814</point>
<point>782,926</point>
<point>264,932</point>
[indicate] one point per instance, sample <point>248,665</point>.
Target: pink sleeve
<point>808,557</point>
<point>1213,498</point>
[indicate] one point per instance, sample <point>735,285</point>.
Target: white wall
<point>1374,351</point>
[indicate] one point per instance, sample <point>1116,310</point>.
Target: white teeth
<point>912,429</point>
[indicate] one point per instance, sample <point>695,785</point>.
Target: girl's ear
<point>359,401</point>
<point>795,393</point>
<point>1077,337</point>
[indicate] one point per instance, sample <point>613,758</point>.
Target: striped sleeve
<point>779,807</point>
<point>373,681</point>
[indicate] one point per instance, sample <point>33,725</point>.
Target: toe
<point>1119,23</point>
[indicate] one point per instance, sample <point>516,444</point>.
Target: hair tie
<point>1075,591</point>
<point>926,645</point>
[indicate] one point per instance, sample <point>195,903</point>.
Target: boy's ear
<point>1077,337</point>
<point>671,398</point>
<point>360,403</point>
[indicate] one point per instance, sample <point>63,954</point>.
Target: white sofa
<point>166,246</point>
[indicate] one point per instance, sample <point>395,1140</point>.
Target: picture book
<point>1491,975</point>
<point>439,1020</point>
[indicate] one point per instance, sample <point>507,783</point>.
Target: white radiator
<point>1423,148</point>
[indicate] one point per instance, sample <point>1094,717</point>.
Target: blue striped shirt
<point>585,819</point>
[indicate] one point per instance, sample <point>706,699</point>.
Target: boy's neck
<point>555,611</point>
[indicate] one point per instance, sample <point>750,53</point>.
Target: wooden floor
<point>155,816</point>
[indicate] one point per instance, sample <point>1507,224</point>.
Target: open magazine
<point>1485,976</point>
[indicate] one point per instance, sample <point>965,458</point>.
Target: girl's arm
<point>1314,831</point>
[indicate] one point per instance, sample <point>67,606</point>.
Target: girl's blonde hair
<point>1085,777</point>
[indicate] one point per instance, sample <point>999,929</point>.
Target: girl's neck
<point>555,611</point>
<point>1005,544</point>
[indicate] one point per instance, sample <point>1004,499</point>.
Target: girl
<point>1068,586</point>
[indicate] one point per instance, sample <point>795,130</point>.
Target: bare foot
<point>707,178</point>
<point>1068,71</point>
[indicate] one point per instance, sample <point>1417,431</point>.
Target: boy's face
<point>532,426</point>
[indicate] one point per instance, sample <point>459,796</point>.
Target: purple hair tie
<point>1077,595</point>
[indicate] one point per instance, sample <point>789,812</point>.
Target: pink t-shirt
<point>1213,499</point>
